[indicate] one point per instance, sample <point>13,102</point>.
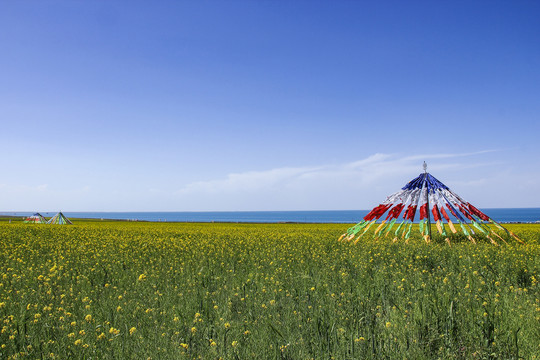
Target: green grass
<point>12,219</point>
<point>110,290</point>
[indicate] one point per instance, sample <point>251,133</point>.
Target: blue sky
<point>266,105</point>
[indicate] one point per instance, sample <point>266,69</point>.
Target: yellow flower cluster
<point>159,290</point>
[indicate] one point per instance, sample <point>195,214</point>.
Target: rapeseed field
<point>122,290</point>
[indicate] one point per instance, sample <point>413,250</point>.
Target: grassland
<point>121,290</point>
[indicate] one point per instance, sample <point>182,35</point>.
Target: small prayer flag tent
<point>37,218</point>
<point>430,196</point>
<point>60,219</point>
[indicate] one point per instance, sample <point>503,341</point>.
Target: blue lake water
<point>524,215</point>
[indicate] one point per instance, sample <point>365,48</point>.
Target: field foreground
<point>119,290</point>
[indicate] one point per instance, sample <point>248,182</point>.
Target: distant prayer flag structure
<point>37,218</point>
<point>429,196</point>
<point>60,219</point>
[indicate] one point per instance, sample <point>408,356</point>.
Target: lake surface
<point>525,215</point>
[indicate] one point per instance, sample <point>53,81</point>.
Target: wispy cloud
<point>248,181</point>
<point>366,179</point>
<point>23,188</point>
<point>446,156</point>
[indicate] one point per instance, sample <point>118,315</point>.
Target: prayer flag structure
<point>37,218</point>
<point>430,197</point>
<point>60,219</point>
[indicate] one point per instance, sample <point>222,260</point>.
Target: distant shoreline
<point>20,218</point>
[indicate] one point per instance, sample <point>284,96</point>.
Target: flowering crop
<point>113,290</point>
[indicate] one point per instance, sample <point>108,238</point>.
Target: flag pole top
<point>425,167</point>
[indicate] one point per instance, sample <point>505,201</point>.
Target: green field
<point>123,290</point>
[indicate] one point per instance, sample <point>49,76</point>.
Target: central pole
<point>427,200</point>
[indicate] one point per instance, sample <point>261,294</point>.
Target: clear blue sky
<point>266,105</point>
